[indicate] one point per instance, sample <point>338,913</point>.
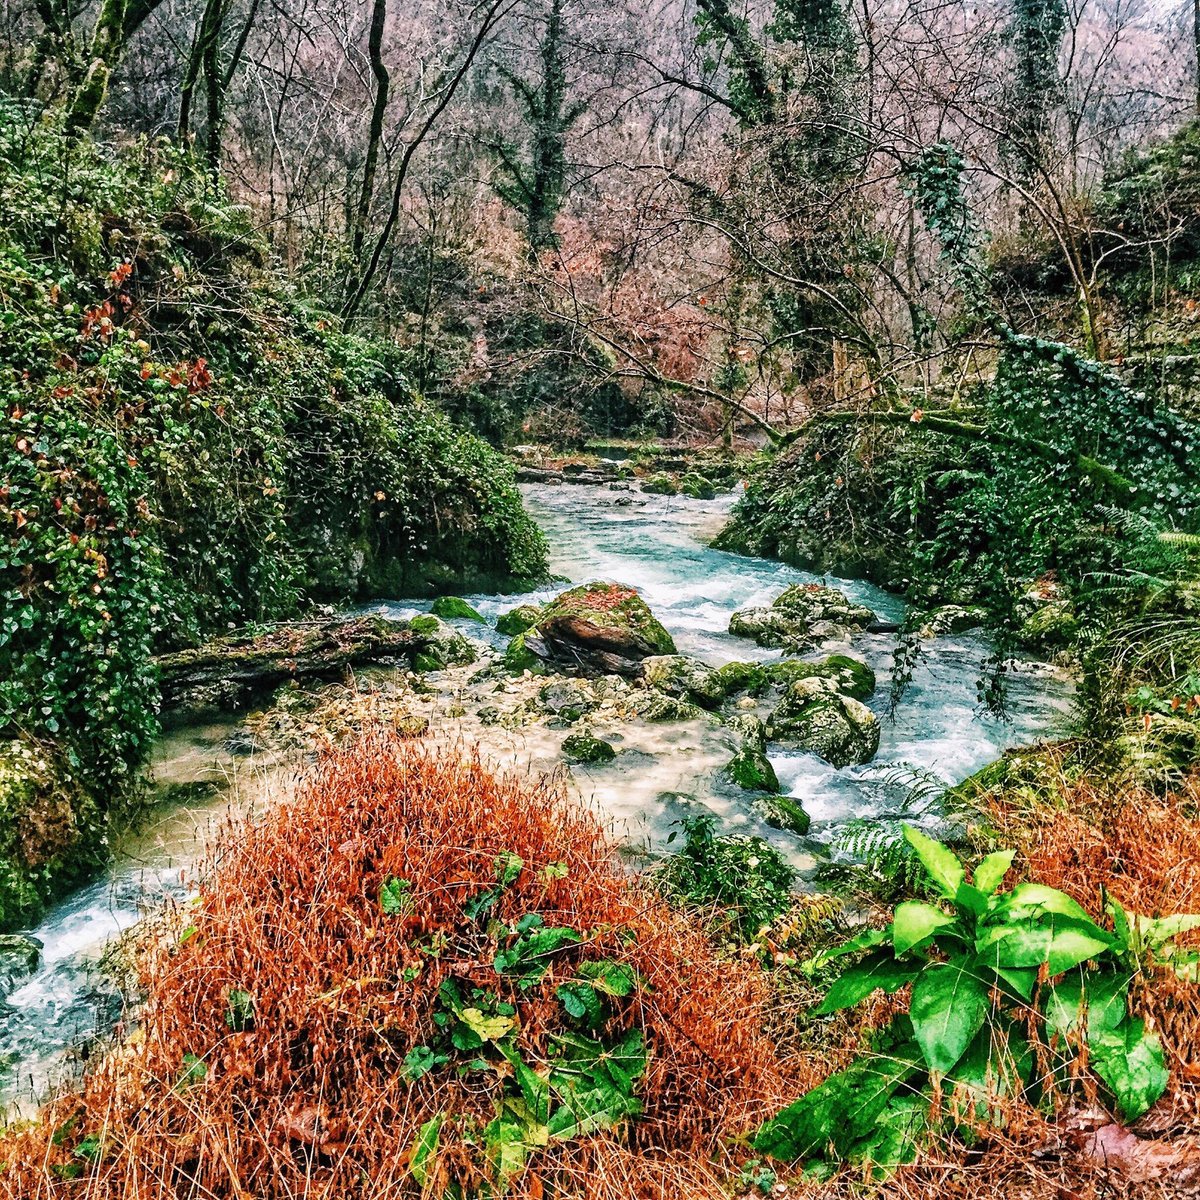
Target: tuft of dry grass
<point>312,1099</point>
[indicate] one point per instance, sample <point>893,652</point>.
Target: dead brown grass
<point>312,1101</point>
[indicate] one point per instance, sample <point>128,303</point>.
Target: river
<point>656,544</point>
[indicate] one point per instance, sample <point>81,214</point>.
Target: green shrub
<point>1004,984</point>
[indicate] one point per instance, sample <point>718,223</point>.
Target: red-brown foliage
<point>313,1100</point>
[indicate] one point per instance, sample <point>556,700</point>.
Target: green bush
<point>1008,988</point>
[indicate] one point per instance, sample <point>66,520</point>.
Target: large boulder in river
<point>803,616</point>
<point>813,715</point>
<point>599,629</point>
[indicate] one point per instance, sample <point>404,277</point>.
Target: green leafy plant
<point>1007,987</point>
<point>744,878</point>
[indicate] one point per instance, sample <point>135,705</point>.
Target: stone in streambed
<point>19,958</point>
<point>751,770</point>
<point>814,716</point>
<point>454,608</point>
<point>585,749</point>
<point>782,812</point>
<point>685,678</point>
<point>518,620</point>
<point>801,617</point>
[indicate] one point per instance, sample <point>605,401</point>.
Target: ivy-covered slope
<point>185,447</point>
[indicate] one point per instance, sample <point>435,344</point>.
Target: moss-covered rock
<point>695,485</point>
<point>661,485</point>
<point>801,617</point>
<point>518,620</point>
<point>750,768</point>
<point>585,749</point>
<point>736,677</point>
<point>454,608</point>
<point>685,678</point>
<point>19,958</point>
<point>519,658</point>
<point>782,812</point>
<point>599,628</point>
<point>813,715</point>
<point>568,699</point>
<point>952,618</point>
<point>51,830</point>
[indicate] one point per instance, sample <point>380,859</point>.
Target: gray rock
<point>813,715</point>
<point>685,678</point>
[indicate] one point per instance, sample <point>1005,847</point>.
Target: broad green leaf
<point>949,1004</point>
<point>582,1002</point>
<point>915,922</point>
<point>486,1028</point>
<point>1100,996</point>
<point>609,977</point>
<point>420,1060</point>
<point>424,1149</point>
<point>529,956</point>
<point>1062,942</point>
<point>857,982</point>
<point>897,1134</point>
<point>535,1090</point>
<point>394,898</point>
<point>239,1015</point>
<point>970,899</point>
<point>989,875</point>
<point>939,862</point>
<point>595,1082</point>
<point>508,868</point>
<point>868,939</point>
<point>840,1112</point>
<point>1130,1061</point>
<point>1036,899</point>
<point>1154,931</point>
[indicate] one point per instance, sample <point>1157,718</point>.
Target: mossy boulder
<point>750,769</point>
<point>661,485</point>
<point>518,620</point>
<point>782,812</point>
<point>813,715</point>
<point>454,608</point>
<point>1049,628</point>
<point>736,677</point>
<point>697,487</point>
<point>803,616</point>
<point>585,749</point>
<point>599,629</point>
<point>685,678</point>
<point>19,958</point>
<point>952,618</point>
<point>519,658</point>
<point>568,699</point>
<point>52,830</point>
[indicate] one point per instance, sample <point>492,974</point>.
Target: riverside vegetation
<point>242,401</point>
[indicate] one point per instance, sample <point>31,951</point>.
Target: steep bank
<point>187,446</point>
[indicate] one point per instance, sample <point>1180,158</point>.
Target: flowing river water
<point>656,544</point>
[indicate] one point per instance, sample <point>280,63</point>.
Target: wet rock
<point>454,607</point>
<point>851,676</point>
<point>19,958</point>
<point>568,699</point>
<point>444,645</point>
<point>599,629</point>
<point>655,706</point>
<point>243,743</point>
<point>519,658</point>
<point>685,678</point>
<point>411,725</point>
<point>696,486</point>
<point>782,812</point>
<point>583,748</point>
<point>736,677</point>
<point>803,616</point>
<point>952,618</point>
<point>751,769</point>
<point>813,715</point>
<point>660,485</point>
<point>518,620</point>
<point>750,729</point>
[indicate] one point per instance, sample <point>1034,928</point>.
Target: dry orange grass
<point>312,1101</point>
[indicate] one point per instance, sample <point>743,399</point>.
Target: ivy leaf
<point>949,1005</point>
<point>486,1028</point>
<point>939,862</point>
